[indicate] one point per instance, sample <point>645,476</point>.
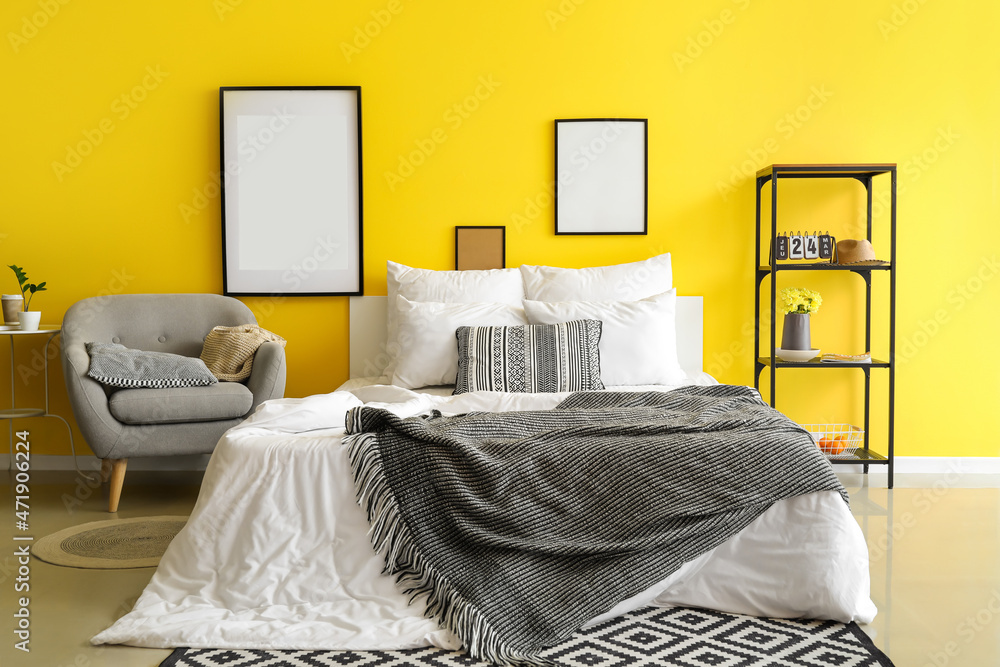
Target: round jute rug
<point>110,545</point>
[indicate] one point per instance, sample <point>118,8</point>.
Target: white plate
<point>796,355</point>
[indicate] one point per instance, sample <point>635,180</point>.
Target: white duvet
<point>276,553</point>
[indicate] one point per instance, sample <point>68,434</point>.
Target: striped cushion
<point>531,358</point>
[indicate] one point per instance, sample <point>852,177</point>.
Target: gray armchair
<point>119,424</point>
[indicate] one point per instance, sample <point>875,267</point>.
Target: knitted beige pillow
<point>228,351</point>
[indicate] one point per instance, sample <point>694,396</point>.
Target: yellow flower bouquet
<point>800,300</point>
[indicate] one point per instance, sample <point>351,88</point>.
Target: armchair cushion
<point>225,400</point>
<point>118,366</point>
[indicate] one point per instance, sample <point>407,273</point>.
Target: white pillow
<point>488,286</point>
<point>621,282</point>
<point>638,340</point>
<point>428,348</point>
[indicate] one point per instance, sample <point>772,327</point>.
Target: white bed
<point>276,553</point>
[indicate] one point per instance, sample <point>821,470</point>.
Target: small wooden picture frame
<point>479,248</point>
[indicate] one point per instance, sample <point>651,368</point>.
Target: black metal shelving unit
<point>865,173</point>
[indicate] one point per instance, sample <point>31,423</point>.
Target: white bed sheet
<point>276,554</point>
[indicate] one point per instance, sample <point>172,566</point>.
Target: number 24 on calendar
<point>814,246</point>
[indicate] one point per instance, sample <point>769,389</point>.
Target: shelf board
<point>827,170</point>
<point>816,363</point>
<point>824,266</point>
<point>20,413</point>
<point>16,330</point>
<point>861,456</point>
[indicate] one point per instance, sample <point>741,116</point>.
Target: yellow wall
<point>728,87</point>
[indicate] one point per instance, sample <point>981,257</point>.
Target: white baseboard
<point>964,465</point>
<point>91,462</point>
<point>982,466</point>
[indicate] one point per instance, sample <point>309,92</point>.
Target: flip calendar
<point>805,246</point>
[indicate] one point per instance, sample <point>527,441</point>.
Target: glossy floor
<point>934,548</point>
<point>934,544</point>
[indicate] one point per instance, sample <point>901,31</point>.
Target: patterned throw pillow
<point>531,358</point>
<point>118,366</point>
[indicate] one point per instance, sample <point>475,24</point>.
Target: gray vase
<point>795,332</point>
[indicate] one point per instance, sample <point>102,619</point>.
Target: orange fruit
<point>832,445</point>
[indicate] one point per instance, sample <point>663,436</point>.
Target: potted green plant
<point>28,318</point>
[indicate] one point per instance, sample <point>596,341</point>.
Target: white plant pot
<point>29,319</point>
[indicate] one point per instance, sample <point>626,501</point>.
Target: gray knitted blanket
<point>520,527</point>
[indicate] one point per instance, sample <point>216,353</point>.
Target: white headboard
<point>368,335</point>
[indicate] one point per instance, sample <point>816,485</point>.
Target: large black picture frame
<point>292,208</point>
<point>601,175</point>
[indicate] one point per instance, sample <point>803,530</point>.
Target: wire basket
<point>837,441</point>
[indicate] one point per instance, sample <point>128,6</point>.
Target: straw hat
<point>851,251</point>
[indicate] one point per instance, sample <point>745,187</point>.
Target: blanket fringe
<point>390,536</point>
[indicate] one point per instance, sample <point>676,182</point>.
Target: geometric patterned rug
<point>652,636</point>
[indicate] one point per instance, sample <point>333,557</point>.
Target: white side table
<point>19,413</point>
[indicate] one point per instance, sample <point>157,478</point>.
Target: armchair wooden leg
<point>117,479</point>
